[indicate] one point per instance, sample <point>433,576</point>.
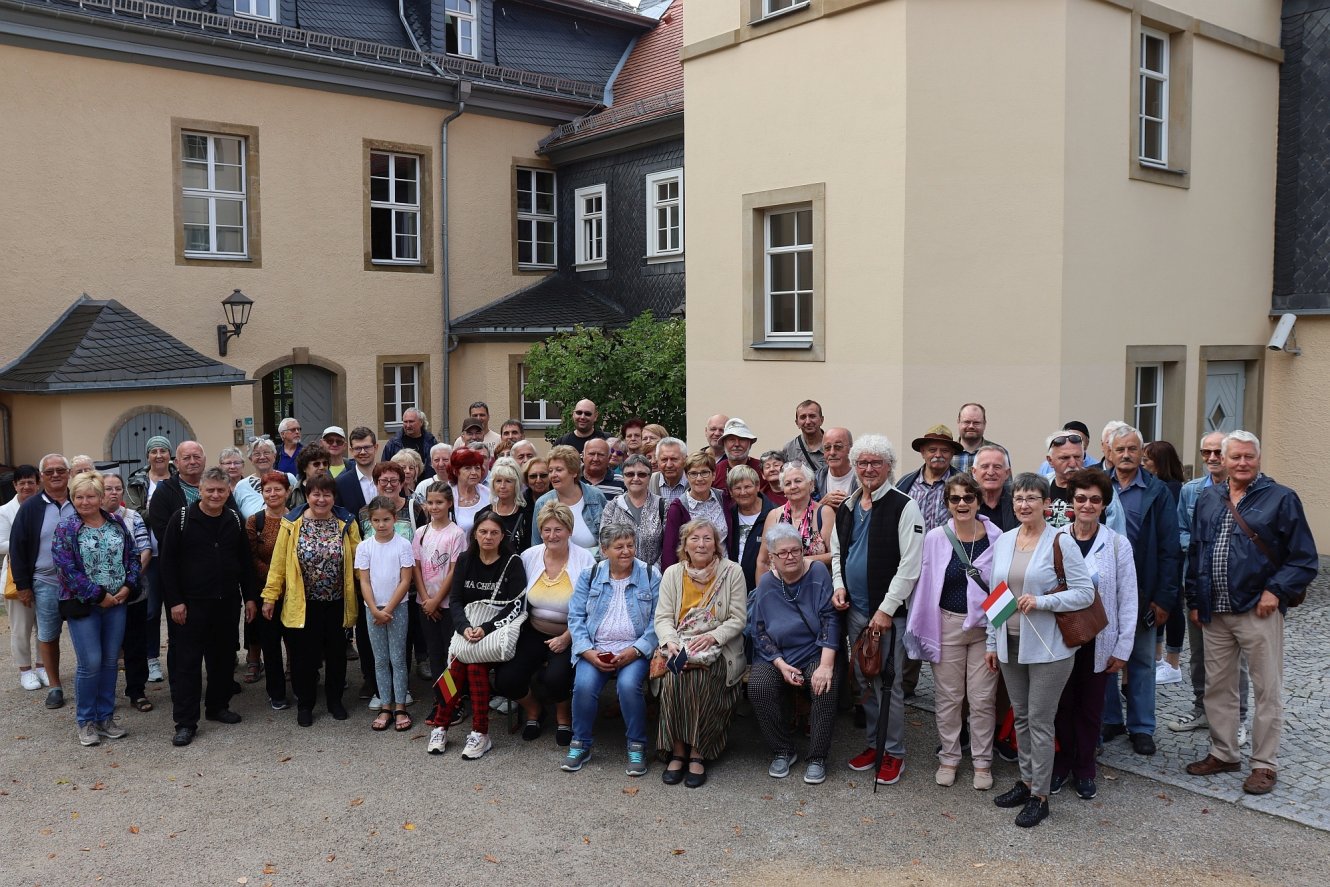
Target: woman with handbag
<point>553,569</point>
<point>1112,566</point>
<point>1045,574</point>
<point>796,632</point>
<point>486,598</point>
<point>99,571</point>
<point>611,618</point>
<point>946,627</point>
<point>700,621</point>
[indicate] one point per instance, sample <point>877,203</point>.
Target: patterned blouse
<point>810,531</point>
<point>319,551</point>
<point>103,552</point>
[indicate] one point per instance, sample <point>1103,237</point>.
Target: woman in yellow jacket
<point>313,568</point>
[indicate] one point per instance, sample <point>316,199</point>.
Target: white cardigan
<point>1112,569</point>
<point>1040,580</point>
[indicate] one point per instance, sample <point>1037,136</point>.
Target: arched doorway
<point>129,439</point>
<point>304,391</point>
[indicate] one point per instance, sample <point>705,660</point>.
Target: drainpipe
<point>463,93</point>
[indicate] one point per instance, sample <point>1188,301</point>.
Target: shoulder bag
<point>970,569</point>
<point>1078,627</point>
<point>1293,601</point>
<point>500,644</point>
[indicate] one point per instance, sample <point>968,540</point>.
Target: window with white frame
<point>264,9</point>
<point>401,391</point>
<point>788,265</point>
<point>665,213</point>
<point>1154,97</point>
<point>461,28</point>
<point>536,218</point>
<point>591,229</point>
<point>214,204</point>
<point>536,413</point>
<point>394,208</point>
<point>1147,412</point>
<point>776,7</point>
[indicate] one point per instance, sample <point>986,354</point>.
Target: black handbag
<point>75,609</point>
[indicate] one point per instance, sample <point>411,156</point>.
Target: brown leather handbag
<point>1078,627</point>
<point>867,652</point>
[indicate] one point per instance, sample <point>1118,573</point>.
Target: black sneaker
<point>1006,751</point>
<point>1034,812</point>
<point>337,710</point>
<point>1013,797</point>
<point>1143,744</point>
<point>223,716</point>
<point>1086,789</point>
<point>1056,785</point>
<point>305,717</point>
<point>279,704</point>
<point>1113,731</point>
<point>460,714</point>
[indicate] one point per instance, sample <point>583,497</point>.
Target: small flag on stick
<point>1000,605</point>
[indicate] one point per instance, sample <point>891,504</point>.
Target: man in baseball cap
<point>334,438</point>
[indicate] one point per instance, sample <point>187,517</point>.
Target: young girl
<point>386,564</point>
<point>437,546</point>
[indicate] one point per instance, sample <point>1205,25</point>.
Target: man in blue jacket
<point>1151,517</point>
<point>1251,557</point>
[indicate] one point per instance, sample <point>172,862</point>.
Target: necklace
<point>785,589</point>
<point>468,500</point>
<point>1027,546</point>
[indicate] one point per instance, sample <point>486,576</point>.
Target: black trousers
<point>135,650</point>
<point>513,678</point>
<point>209,636</point>
<point>417,649</point>
<point>268,634</point>
<point>438,637</point>
<point>320,642</point>
<point>364,648</point>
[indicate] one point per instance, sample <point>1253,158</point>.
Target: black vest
<point>884,547</point>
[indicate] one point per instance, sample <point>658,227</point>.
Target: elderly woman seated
<point>611,618</point>
<point>795,629</point>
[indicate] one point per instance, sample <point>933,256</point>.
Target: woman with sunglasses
<point>313,461</point>
<point>640,509</point>
<point>946,619</point>
<point>1112,566</point>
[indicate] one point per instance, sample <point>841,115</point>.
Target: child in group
<point>436,547</point>
<point>386,564</point>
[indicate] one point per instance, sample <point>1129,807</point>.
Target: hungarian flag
<point>1000,605</point>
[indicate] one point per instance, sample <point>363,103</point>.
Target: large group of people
<point>806,580</point>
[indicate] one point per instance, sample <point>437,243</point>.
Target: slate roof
<point>580,49</point>
<point>557,302</point>
<point>648,87</point>
<point>100,345</point>
<point>374,20</point>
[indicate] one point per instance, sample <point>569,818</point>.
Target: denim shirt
<point>591,601</point>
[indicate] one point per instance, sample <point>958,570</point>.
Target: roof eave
<point>103,387</point>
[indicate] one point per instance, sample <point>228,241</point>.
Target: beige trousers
<point>962,672</point>
<point>1227,638</point>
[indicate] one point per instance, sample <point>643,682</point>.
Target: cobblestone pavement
<point>1303,791</point>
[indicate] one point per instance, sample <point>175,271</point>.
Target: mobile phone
<point>677,662</point>
<point>605,656</point>
<point>1149,618</point>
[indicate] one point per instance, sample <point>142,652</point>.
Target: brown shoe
<point>1261,782</point>
<point>1210,765</point>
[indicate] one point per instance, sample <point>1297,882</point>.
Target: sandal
<point>381,720</point>
<point>403,721</point>
<point>673,777</point>
<point>253,670</point>
<point>695,780</point>
<point>141,704</point>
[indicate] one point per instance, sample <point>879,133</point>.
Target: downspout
<point>463,93</point>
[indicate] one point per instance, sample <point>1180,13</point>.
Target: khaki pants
<point>962,672</point>
<point>1228,637</point>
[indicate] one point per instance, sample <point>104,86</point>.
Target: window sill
<point>662,258</point>
<point>784,345</point>
<point>217,257</point>
<point>521,266</point>
<point>1159,175</point>
<point>770,16</point>
<point>591,266</point>
<point>256,18</point>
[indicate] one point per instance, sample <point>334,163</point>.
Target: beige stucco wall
<point>1297,424</point>
<point>96,216</point>
<point>84,423</point>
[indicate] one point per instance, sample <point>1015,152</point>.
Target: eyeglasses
<point>1207,453</point>
<point>1064,439</point>
<point>636,475</point>
<point>870,464</point>
<point>618,452</point>
<point>1081,499</point>
<point>232,463</point>
<point>363,448</point>
<point>700,473</point>
<point>1027,500</point>
<point>55,472</point>
<point>583,413</point>
<point>318,463</point>
<point>956,500</point>
<point>789,555</point>
<point>537,475</point>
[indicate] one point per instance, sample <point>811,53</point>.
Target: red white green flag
<point>1000,605</point>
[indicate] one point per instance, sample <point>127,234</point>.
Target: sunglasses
<point>956,500</point>
<point>1205,452</point>
<point>1064,439</point>
<point>1081,499</point>
<point>636,475</point>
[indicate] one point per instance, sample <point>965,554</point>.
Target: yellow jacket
<point>285,575</point>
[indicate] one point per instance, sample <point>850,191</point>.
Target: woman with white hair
<point>263,456</point>
<point>813,521</point>
<point>507,503</point>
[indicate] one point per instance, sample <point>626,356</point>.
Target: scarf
<point>703,575</point>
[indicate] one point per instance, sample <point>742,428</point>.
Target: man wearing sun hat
<point>927,485</point>
<point>735,442</point>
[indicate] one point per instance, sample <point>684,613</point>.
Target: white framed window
<point>591,218</point>
<point>536,413</point>
<point>401,391</point>
<point>1147,408</point>
<point>788,267</point>
<point>264,9</point>
<point>665,214</point>
<point>1154,97</point>
<point>214,202</point>
<point>461,28</point>
<point>537,218</point>
<point>776,7</point>
<point>394,208</point>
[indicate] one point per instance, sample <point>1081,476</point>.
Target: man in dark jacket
<point>1241,581</point>
<point>206,570</point>
<point>178,490</point>
<point>1151,516</point>
<point>415,435</point>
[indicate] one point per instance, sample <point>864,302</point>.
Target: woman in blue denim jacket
<point>612,621</point>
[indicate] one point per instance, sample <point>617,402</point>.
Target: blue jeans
<point>630,683</point>
<point>97,638</point>
<point>46,599</point>
<point>1140,687</point>
<point>152,581</point>
<point>389,644</point>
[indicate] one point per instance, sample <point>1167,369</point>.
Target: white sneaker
<point>501,704</point>
<point>28,680</point>
<point>1242,734</point>
<point>375,703</point>
<point>476,745</point>
<point>42,676</point>
<point>1167,674</point>
<point>409,700</point>
<point>154,671</point>
<point>438,741</point>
